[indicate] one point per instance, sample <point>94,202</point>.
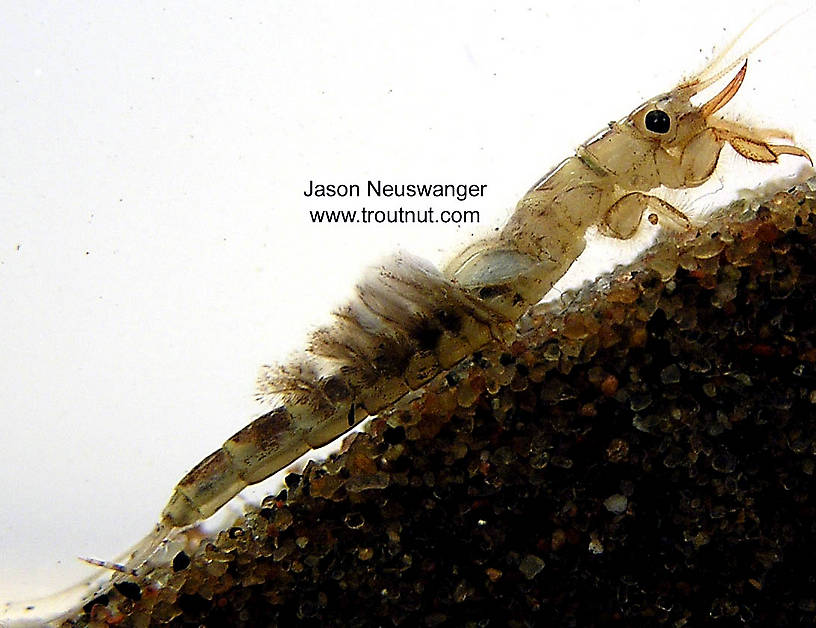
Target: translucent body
<point>410,323</point>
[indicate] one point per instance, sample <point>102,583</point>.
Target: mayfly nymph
<point>410,322</point>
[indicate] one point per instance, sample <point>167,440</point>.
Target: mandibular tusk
<point>727,93</point>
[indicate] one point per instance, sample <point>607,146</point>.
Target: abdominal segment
<point>406,325</point>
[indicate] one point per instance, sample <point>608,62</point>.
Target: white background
<point>155,245</point>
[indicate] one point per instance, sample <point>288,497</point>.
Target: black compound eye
<point>657,121</point>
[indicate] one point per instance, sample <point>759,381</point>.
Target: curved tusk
<point>726,94</point>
